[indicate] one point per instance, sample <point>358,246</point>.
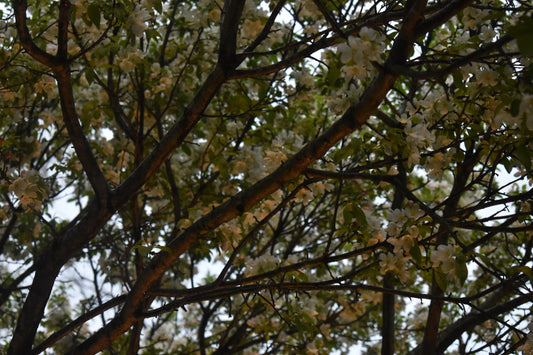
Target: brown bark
<point>435,308</point>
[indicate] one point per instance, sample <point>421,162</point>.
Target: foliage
<point>274,177</point>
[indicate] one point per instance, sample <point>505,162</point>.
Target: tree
<point>274,177</point>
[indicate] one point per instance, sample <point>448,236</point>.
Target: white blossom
<point>251,28</point>
<point>126,66</point>
<point>402,244</point>
<point>394,263</point>
<point>358,53</point>
<point>487,77</point>
<point>27,190</point>
<point>487,33</point>
<point>443,257</point>
<point>436,164</point>
<point>137,21</point>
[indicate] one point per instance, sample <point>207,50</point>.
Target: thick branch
<point>77,323</point>
<point>476,317</point>
<point>20,7</point>
<point>441,16</point>
<point>77,137</point>
<point>62,35</point>
<point>231,15</point>
<point>462,173</point>
<point>33,309</point>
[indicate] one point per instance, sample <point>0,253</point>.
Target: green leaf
<point>515,107</point>
<point>186,149</point>
<point>158,6</point>
<point>144,250</point>
<point>333,74</point>
<point>523,154</point>
<point>347,214</point>
<point>89,75</point>
<point>526,270</point>
<point>341,154</point>
<point>93,11</point>
<point>461,271</point>
<point>523,33</point>
<point>359,215</point>
<point>486,260</point>
<point>458,79</point>
<point>441,280</point>
<point>415,253</point>
<point>163,248</point>
<point>507,164</point>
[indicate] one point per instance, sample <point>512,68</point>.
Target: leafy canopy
<point>273,177</point>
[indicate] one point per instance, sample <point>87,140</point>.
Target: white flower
<point>417,134</point>
<point>303,78</point>
<point>250,29</point>
<point>355,70</point>
<point>402,244</point>
<point>377,238</point>
<point>358,53</point>
<point>487,76</point>
<point>165,83</point>
<point>394,229</point>
<point>274,159</point>
<point>137,21</point>
<point>436,163</point>
<point>504,117</point>
<point>29,193</point>
<point>387,262</point>
<point>368,34</point>
<point>487,33</point>
<point>394,263</point>
<point>126,66</point>
<point>46,85</point>
<point>347,50</point>
<point>155,70</point>
<point>443,257</point>
<point>310,10</point>
<point>261,264</point>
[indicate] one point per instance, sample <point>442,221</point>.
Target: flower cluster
<point>29,190</point>
<point>443,257</point>
<point>358,53</point>
<point>137,21</point>
<point>417,136</point>
<point>399,217</point>
<point>261,264</point>
<point>395,263</point>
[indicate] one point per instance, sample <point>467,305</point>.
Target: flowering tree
<point>273,177</point>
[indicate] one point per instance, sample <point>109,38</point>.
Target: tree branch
<point>231,15</point>
<point>462,173</point>
<point>446,337</point>
<point>77,137</point>
<point>52,339</point>
<point>354,118</point>
<point>20,7</point>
